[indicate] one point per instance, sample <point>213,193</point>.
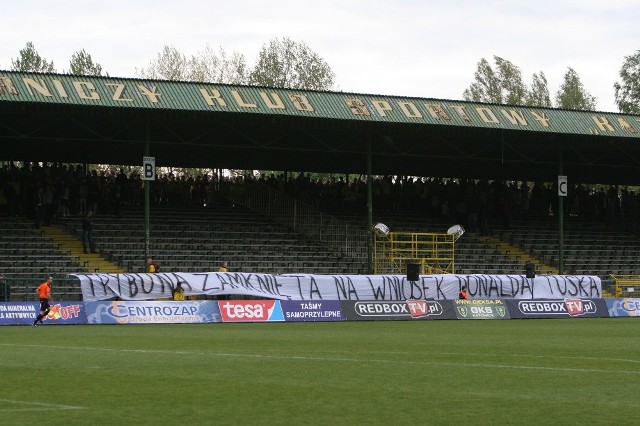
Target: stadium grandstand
<point>416,165</point>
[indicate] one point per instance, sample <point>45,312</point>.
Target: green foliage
<point>30,61</point>
<point>486,87</point>
<point>323,176</point>
<point>289,64</point>
<point>503,85</point>
<point>169,64</point>
<point>218,67</point>
<point>628,89</point>
<point>187,171</point>
<point>207,66</point>
<point>82,64</point>
<point>538,94</point>
<point>572,94</point>
<point>281,63</point>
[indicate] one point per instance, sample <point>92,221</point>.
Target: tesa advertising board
<point>250,310</point>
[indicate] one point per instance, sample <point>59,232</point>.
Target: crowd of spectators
<point>44,192</point>
<point>472,203</point>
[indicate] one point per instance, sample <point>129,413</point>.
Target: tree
<point>206,67</point>
<point>289,64</point>
<point>572,94</point>
<point>487,85</point>
<point>170,64</point>
<point>503,85</point>
<point>82,64</point>
<point>212,67</point>
<point>30,61</point>
<point>628,91</point>
<point>538,94</point>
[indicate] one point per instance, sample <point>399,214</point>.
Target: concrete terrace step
<point>516,253</point>
<point>91,262</point>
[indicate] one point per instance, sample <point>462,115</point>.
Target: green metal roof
<point>65,118</point>
<point>219,98</point>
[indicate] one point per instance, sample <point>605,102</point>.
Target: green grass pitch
<point>574,371</point>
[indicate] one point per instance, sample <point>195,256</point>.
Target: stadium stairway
<point>516,254</point>
<point>92,262</point>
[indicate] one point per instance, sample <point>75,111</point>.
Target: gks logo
<point>481,309</point>
<point>250,310</point>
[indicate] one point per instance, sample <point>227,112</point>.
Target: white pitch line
<point>37,406</point>
<point>471,354</point>
<point>337,359</point>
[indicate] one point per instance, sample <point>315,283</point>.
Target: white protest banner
<point>336,287</point>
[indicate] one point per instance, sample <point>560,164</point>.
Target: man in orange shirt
<point>463,293</point>
<point>44,294</point>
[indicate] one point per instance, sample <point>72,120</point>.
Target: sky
<point>427,49</point>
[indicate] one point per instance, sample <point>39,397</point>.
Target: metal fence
<point>22,289</point>
<point>302,218</point>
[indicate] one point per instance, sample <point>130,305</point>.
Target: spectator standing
<point>83,195</point>
<point>224,268</point>
<point>178,292</point>
<point>87,233</point>
<point>65,198</point>
<point>39,206</point>
<point>152,267</point>
<point>5,290</point>
<point>48,205</point>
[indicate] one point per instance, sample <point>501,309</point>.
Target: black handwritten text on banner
<point>336,287</point>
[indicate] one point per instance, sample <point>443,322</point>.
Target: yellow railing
<point>435,253</point>
<point>626,285</point>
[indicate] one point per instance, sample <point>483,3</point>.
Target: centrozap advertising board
<point>250,310</point>
<point>412,309</point>
<point>166,312</point>
<point>312,310</point>
<point>628,307</point>
<point>554,308</point>
<point>24,313</point>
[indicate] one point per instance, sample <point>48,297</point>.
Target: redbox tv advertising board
<point>413,309</point>
<point>557,308</point>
